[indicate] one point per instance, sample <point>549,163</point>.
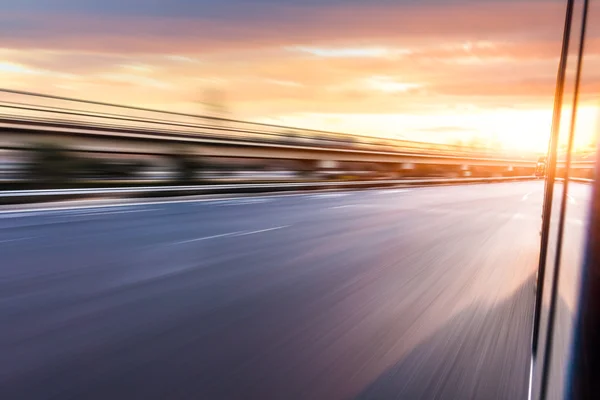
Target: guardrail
<point>47,194</point>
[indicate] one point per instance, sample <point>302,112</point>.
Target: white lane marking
<point>571,199</point>
<point>345,206</point>
<point>328,195</point>
<point>209,237</point>
<point>262,230</point>
<point>239,202</point>
<point>352,206</point>
<point>141,204</point>
<point>88,214</point>
<point>232,234</point>
<point>477,213</point>
<point>43,211</point>
<point>17,240</point>
<point>391,191</point>
<point>110,212</point>
<point>75,212</point>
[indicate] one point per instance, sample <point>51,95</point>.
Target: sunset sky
<point>422,70</point>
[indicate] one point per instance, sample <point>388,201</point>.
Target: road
<point>578,199</point>
<point>400,293</point>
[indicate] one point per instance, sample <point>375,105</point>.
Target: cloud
<point>16,69</point>
<point>350,52</point>
<point>293,57</point>
<point>230,9</point>
<point>282,25</point>
<point>283,83</point>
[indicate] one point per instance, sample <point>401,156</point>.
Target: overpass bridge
<point>110,131</point>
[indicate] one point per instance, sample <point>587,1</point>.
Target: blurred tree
<point>51,165</point>
<point>188,166</point>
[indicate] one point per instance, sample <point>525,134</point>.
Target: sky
<point>428,70</point>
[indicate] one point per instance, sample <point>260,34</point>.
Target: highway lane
<point>404,293</point>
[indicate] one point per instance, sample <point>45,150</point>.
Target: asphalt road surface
<point>398,293</point>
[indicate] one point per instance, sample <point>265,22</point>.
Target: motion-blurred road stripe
<point>344,206</point>
<point>391,191</point>
<point>231,234</point>
<point>328,195</point>
<point>262,230</point>
<point>240,202</point>
<point>100,213</point>
<point>209,237</point>
<point>16,240</point>
<point>354,206</point>
<point>66,208</point>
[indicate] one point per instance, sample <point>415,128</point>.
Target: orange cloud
<point>401,60</point>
